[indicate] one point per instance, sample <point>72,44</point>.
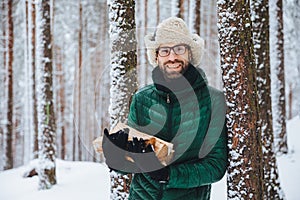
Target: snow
<point>88,180</point>
<point>76,181</point>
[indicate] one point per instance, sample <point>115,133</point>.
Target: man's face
<point>173,59</point>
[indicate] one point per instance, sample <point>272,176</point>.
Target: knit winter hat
<point>174,30</point>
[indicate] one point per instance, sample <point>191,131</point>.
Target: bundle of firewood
<point>163,150</point>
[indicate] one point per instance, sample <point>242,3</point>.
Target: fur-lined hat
<point>174,30</point>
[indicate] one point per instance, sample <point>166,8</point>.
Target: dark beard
<point>173,75</point>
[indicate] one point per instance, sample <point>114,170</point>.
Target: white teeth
<point>174,66</point>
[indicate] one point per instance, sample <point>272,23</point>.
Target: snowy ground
<point>86,180</point>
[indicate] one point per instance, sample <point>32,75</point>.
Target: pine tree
<point>46,118</point>
<point>272,189</point>
<point>245,172</point>
<point>277,61</point>
<point>123,74</point>
<point>31,131</point>
<point>79,83</point>
<point>209,31</point>
<point>8,130</point>
<point>195,15</point>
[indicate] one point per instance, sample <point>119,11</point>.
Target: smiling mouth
<point>174,66</point>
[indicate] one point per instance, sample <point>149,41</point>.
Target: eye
<point>163,51</point>
<point>179,49</point>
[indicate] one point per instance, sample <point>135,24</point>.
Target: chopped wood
<point>163,150</point>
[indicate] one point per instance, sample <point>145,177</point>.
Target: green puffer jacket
<point>191,115</point>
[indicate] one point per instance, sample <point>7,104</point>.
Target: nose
<point>172,55</point>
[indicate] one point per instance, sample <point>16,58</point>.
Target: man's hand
<point>114,148</point>
<point>145,158</point>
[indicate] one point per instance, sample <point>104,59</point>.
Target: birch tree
<point>46,118</point>
<point>245,171</point>
<point>260,19</point>
<point>277,64</point>
<point>123,74</point>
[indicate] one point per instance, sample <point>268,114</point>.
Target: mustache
<point>172,62</point>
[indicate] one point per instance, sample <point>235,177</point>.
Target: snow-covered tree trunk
<point>278,76</point>
<point>291,19</point>
<point>8,130</point>
<point>260,22</point>
<point>195,16</point>
<point>123,74</point>
<point>180,13</point>
<point>33,66</point>
<point>31,124</point>
<point>61,104</point>
<point>297,50</point>
<point>209,31</point>
<point>175,7</point>
<point>104,84</point>
<point>148,15</point>
<point>27,94</point>
<point>79,82</point>
<point>46,118</point>
<point>2,81</point>
<point>157,11</point>
<point>245,170</point>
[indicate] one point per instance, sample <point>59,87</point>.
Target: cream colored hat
<point>174,30</point>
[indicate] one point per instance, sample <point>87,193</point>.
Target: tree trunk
<point>272,189</point>
<point>123,74</point>
<point>46,118</point>
<point>197,16</point>
<point>245,172</point>
<point>157,12</point>
<point>10,92</point>
<point>33,63</point>
<point>279,104</point>
<point>79,122</point>
<point>194,17</point>
<point>181,9</point>
<point>31,107</point>
<point>61,101</point>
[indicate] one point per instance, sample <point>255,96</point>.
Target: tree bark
<point>272,188</point>
<point>33,50</point>
<point>279,102</point>
<point>10,89</point>
<point>123,75</point>
<point>46,118</point>
<point>245,172</point>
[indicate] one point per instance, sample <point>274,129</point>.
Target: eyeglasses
<point>178,50</point>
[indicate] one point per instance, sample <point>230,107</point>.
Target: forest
<point>66,74</point>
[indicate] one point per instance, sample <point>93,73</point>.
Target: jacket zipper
<point>161,189</point>
<point>169,116</point>
<point>168,98</point>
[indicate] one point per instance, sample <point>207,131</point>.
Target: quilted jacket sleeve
<point>212,162</point>
<point>132,116</point>
<point>128,166</point>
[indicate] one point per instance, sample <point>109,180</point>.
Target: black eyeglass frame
<point>186,47</point>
